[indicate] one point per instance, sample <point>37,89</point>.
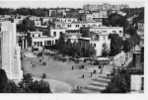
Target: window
<point>94,45</point>
<point>97,37</point>
<point>34,43</point>
<point>40,43</point>
<point>49,43</point>
<point>77,25</point>
<point>54,33</point>
<point>69,25</point>
<point>142,83</point>
<point>69,20</point>
<point>103,37</point>
<point>61,33</point>
<point>120,31</point>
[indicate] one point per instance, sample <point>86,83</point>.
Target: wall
<point>136,83</point>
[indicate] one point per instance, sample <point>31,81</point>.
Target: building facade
<point>11,61</point>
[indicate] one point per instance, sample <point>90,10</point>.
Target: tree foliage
<point>116,44</point>
<point>27,85</point>
<point>26,25</point>
<point>115,19</point>
<point>85,31</point>
<point>120,82</point>
<point>75,49</point>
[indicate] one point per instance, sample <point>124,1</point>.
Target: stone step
<point>86,90</point>
<point>104,76</point>
<point>99,79</point>
<point>95,88</point>
<point>95,83</point>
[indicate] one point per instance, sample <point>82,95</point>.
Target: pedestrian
<point>94,72</point>
<point>99,67</point>
<point>72,67</point>
<point>91,74</point>
<point>83,76</point>
<point>101,70</point>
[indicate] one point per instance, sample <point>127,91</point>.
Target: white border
<point>89,96</point>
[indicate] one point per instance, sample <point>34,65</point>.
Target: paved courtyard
<point>60,71</point>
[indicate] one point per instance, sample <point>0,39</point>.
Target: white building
<point>39,40</point>
<point>67,19</point>
<point>11,61</point>
<point>96,15</point>
<point>98,44</point>
<point>100,37</point>
<point>57,32</point>
<point>78,25</point>
<point>104,6</point>
<point>108,30</point>
<point>137,83</point>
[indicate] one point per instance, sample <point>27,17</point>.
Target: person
<point>72,67</point>
<point>83,76</point>
<point>91,74</point>
<point>99,67</point>
<point>94,72</point>
<point>101,70</point>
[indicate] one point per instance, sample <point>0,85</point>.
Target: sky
<point>64,3</point>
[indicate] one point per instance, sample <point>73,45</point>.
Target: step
<point>95,83</point>
<point>104,76</point>
<point>95,88</point>
<point>85,90</point>
<point>99,79</point>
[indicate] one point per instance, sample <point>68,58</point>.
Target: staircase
<point>97,84</point>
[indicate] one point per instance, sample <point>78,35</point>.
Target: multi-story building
<point>137,71</point>
<point>39,40</point>
<point>100,37</point>
<point>108,30</point>
<point>66,19</point>
<point>77,25</point>
<point>22,40</point>
<point>105,6</point>
<point>56,32</point>
<point>96,16</point>
<point>11,61</point>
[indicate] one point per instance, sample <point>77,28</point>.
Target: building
<point>57,11</point>
<point>66,19</point>
<point>100,37</point>
<point>39,40</point>
<point>56,33</point>
<point>96,16</point>
<point>137,83</point>
<point>100,43</point>
<point>137,71</point>
<point>140,32</point>
<point>104,6</point>
<point>108,30</point>
<point>11,61</point>
<point>22,39</point>
<point>77,25</point>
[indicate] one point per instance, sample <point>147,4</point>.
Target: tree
<point>134,37</point>
<point>3,81</point>
<point>127,45</point>
<point>40,87</point>
<point>116,44</point>
<point>105,51</point>
<point>120,82</point>
<point>117,20</point>
<point>85,31</point>
<point>26,25</point>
